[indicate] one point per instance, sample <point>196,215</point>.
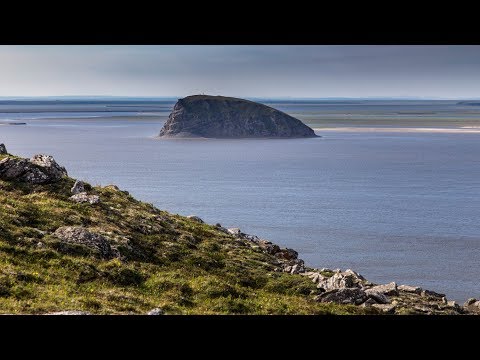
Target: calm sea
<point>399,206</point>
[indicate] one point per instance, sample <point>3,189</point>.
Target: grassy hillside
<point>160,260</point>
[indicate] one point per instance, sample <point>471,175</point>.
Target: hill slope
<point>68,246</point>
<point>153,259</point>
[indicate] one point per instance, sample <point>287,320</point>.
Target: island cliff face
<point>225,117</point>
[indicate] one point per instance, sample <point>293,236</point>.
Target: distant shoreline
<point>13,123</point>
<point>458,130</point>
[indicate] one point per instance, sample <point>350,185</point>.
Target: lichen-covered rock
<point>48,163</point>
<point>234,231</point>
<point>40,169</point>
<point>339,280</point>
<point>225,117</point>
<point>377,296</point>
<point>354,296</point>
<point>387,289</point>
<point>80,235</point>
<point>3,149</point>
<point>78,187</point>
<point>83,197</point>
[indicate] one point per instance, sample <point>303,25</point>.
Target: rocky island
<point>226,117</point>
<point>69,248</point>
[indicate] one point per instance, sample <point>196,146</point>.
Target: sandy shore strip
<point>462,130</point>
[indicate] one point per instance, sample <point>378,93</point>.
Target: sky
<point>450,72</point>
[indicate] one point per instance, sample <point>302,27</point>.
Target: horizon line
<point>23,97</point>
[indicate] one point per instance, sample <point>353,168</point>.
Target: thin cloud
<point>256,71</point>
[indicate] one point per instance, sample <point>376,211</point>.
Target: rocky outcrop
<point>339,280</point>
<point>81,236</point>
<point>350,288</point>
<point>3,149</point>
<point>48,162</point>
<point>225,117</point>
<point>40,169</point>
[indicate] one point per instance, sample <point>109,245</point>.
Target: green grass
<point>166,261</point>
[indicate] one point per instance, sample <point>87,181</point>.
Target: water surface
<point>395,206</point>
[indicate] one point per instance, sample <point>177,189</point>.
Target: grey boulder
<point>377,296</point>
<point>352,296</point>
<point>387,289</point>
<point>78,187</point>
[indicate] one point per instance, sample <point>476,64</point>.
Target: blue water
<point>401,207</point>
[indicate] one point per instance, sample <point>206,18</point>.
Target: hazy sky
<point>245,71</point>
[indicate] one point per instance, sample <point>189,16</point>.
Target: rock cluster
<point>40,169</point>
<point>350,288</point>
<point>81,196</point>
